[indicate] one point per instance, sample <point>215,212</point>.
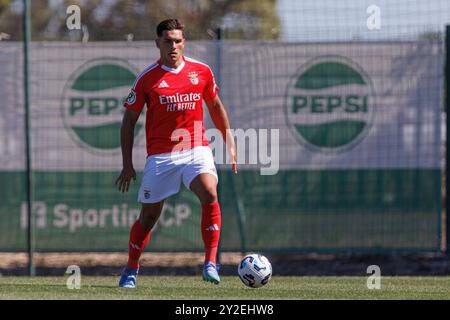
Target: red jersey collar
<point>176,70</point>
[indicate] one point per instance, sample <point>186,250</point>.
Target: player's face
<point>171,46</point>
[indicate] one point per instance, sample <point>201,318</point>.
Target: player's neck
<point>172,65</point>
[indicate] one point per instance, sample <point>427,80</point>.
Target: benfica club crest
<point>193,76</point>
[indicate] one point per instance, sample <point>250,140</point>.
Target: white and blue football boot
<point>128,278</point>
<point>210,273</point>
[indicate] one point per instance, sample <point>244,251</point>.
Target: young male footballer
<point>173,89</point>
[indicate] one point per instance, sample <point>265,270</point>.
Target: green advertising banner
<point>339,147</point>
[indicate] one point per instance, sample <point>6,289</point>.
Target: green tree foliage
<point>137,19</point>
<point>11,17</point>
<point>4,4</point>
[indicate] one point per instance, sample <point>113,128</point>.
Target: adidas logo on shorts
<point>214,227</point>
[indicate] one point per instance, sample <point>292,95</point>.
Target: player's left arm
<point>220,119</point>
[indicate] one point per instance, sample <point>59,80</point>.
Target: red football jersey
<point>174,104</point>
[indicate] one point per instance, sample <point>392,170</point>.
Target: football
<point>255,270</point>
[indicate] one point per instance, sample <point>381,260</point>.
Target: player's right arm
<point>126,140</point>
<point>134,104</point>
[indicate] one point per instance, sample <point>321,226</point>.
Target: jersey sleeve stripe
<point>196,61</point>
<point>149,68</point>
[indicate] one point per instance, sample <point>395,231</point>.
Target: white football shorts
<point>164,172</point>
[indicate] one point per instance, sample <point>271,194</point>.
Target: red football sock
<point>211,223</point>
<point>138,240</point>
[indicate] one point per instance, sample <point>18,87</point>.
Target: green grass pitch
<point>192,287</point>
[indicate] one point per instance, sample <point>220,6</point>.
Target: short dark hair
<point>169,24</point>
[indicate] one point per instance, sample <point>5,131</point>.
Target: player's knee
<point>209,196</point>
